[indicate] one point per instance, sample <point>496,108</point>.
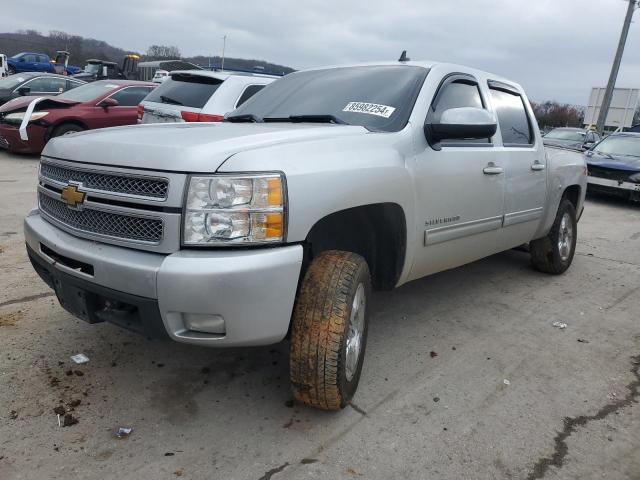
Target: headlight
<point>16,118</point>
<point>235,209</point>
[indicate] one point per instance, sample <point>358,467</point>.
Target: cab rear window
<point>185,90</point>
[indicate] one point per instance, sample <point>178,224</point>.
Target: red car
<point>107,103</point>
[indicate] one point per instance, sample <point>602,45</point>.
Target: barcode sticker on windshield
<point>370,108</point>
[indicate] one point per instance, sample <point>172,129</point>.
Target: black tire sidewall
<point>65,128</point>
<point>565,207</point>
<point>349,387</point>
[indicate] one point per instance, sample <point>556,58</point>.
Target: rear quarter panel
<point>565,168</point>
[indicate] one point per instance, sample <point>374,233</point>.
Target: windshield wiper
<point>321,118</point>
<point>170,100</point>
<point>246,117</point>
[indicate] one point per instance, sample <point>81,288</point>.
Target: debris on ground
<point>78,372</point>
<point>560,325</point>
<point>169,454</point>
<point>124,432</point>
<point>69,420</point>
<point>506,382</point>
<point>13,414</point>
<point>353,473</point>
<point>59,410</point>
<point>582,340</point>
<point>74,403</point>
<point>307,461</point>
<point>179,472</point>
<point>436,399</point>
<point>433,354</point>
<point>69,373</point>
<point>80,358</point>
<point>54,381</point>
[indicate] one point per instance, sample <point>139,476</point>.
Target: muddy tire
<point>554,253</point>
<point>329,330</point>
<point>66,129</point>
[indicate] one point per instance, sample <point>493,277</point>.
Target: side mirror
<point>108,102</point>
<point>24,91</point>
<point>463,123</point>
<point>588,145</point>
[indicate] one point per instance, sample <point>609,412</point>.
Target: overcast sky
<point>557,49</point>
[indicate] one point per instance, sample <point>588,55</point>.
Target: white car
<point>200,96</point>
<point>160,76</point>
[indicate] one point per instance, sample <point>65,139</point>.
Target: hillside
<point>82,49</point>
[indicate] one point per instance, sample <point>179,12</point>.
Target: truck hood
<point>185,147</point>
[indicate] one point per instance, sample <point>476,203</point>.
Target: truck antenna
<point>403,57</point>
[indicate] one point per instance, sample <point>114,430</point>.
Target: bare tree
<point>553,114</point>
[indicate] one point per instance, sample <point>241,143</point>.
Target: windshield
<point>375,97</point>
<point>12,81</point>
<point>560,134</point>
<point>619,145</point>
<point>92,68</point>
<point>88,92</point>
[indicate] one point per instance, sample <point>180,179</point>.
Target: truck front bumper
<point>206,297</point>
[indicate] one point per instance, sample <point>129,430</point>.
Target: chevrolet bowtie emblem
<point>72,195</point>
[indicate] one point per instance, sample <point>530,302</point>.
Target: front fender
<point>329,175</point>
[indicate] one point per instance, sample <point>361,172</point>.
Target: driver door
<point>460,188</point>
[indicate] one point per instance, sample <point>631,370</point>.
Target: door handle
<point>492,169</point>
<point>537,166</point>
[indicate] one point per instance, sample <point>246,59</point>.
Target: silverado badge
<point>72,196</point>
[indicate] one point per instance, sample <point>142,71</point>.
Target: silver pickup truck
<point>281,220</point>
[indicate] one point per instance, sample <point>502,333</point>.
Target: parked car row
<point>185,96</point>
<point>106,103</point>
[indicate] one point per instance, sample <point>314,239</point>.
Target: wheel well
<point>378,232</point>
<point>64,122</point>
<point>572,193</point>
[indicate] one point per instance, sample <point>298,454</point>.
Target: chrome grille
<point>125,227</point>
<point>130,185</point>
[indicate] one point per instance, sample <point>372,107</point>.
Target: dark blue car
<point>614,165</point>
<point>29,62</point>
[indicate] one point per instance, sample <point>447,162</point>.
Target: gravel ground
<point>433,400</point>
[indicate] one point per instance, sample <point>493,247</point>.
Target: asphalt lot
<point>570,409</point>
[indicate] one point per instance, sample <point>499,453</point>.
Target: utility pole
<point>224,44</point>
<point>608,93</point>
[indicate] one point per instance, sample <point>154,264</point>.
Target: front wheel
<point>554,253</point>
<point>329,330</point>
<point>66,129</point>
<point>11,70</point>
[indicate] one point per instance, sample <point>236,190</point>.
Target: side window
<point>43,59</point>
<point>456,94</point>
<point>46,85</point>
<point>512,117</point>
<point>30,58</point>
<point>249,92</point>
<point>72,84</point>
<point>131,97</point>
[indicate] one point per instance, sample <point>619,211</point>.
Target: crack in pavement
<point>561,449</point>
<point>270,473</point>
<point>608,259</point>
<point>27,299</point>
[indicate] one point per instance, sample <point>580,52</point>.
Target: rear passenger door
<point>524,164</point>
